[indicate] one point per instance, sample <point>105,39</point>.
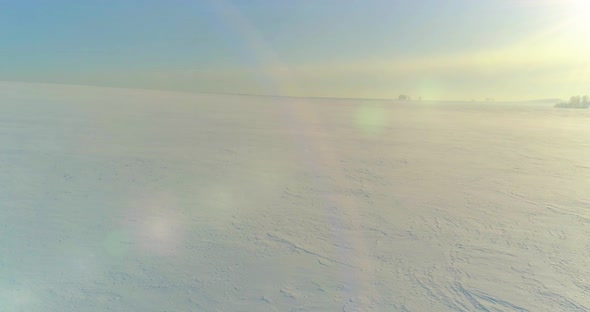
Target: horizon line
<point>267,95</point>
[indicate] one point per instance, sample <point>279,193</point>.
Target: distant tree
<point>575,100</point>
<point>403,97</point>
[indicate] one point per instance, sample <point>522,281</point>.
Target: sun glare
<point>578,16</point>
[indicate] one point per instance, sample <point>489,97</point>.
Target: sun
<point>577,14</point>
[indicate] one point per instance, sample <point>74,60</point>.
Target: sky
<point>436,50</point>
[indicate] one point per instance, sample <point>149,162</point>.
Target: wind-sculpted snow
<point>136,200</point>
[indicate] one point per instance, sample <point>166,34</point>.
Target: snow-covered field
<point>135,200</point>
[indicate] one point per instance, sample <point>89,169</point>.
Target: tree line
<point>575,101</point>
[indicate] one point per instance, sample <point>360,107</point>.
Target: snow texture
<point>137,200</point>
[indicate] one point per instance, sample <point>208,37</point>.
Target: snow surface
<point>136,200</point>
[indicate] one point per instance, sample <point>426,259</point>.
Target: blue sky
<point>457,49</point>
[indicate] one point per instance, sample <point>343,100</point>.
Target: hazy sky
<point>454,49</point>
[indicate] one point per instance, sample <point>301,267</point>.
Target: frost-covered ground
<point>134,200</point>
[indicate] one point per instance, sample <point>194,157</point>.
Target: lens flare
<point>371,119</point>
<point>155,224</point>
